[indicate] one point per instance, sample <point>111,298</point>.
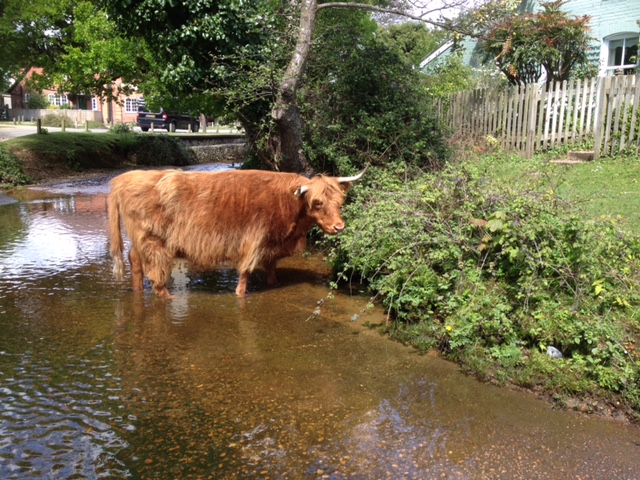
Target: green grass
<point>85,150</point>
<point>604,188</point>
<point>607,187</point>
<point>39,156</point>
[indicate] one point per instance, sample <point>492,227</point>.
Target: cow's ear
<point>345,186</point>
<point>300,190</point>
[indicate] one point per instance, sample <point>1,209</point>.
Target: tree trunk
<point>285,113</point>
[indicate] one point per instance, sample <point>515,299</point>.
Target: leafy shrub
<point>10,169</point>
<point>37,101</point>
<point>120,128</point>
<point>496,273</point>
<point>55,120</point>
<point>369,107</point>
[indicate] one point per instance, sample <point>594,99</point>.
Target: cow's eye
<point>317,204</point>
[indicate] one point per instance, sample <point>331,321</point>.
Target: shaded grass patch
<point>58,154</point>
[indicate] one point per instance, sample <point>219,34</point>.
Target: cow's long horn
<point>301,189</point>
<point>352,179</point>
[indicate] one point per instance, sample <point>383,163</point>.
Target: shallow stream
<point>97,381</point>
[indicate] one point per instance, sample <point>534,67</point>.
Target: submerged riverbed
<point>97,381</point>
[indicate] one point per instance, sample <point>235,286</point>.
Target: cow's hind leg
<point>157,265</point>
<point>241,289</point>
<point>137,273</point>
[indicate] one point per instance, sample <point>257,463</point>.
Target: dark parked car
<point>166,120</point>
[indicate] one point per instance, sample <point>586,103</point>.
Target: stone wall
<point>222,149</point>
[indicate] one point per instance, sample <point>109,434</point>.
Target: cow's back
<point>240,217</point>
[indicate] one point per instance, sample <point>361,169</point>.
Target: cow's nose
<point>338,227</point>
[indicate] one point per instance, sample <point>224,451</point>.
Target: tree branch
<point>393,11</point>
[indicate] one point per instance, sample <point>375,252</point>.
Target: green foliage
<point>451,76</point>
<point>55,120</point>
<point>160,150</point>
<point>10,169</point>
<point>200,51</point>
<point>97,54</point>
<point>414,41</point>
<point>21,34</point>
<point>120,128</point>
<point>37,101</point>
<point>365,105</point>
<point>81,53</point>
<point>60,151</point>
<point>521,45</point>
<point>495,271</point>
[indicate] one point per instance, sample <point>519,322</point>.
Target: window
<point>94,104</point>
<point>58,100</point>
<point>27,97</point>
<point>130,105</point>
<point>621,54</point>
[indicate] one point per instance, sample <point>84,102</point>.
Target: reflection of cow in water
<point>249,219</point>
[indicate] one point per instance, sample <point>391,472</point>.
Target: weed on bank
<point>496,267</point>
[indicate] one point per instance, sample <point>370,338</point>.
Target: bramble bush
<point>492,274</point>
<point>11,170</point>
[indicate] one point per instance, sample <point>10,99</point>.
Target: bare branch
<point>421,11</point>
<point>393,11</point>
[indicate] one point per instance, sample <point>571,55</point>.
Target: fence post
<point>531,121</point>
<point>63,125</point>
<point>86,125</point>
<point>599,117</point>
<point>633,135</point>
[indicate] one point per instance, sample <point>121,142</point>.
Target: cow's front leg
<point>270,268</point>
<point>162,292</point>
<point>241,289</point>
<point>137,273</point>
<point>158,261</point>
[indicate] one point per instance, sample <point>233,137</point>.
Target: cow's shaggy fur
<point>249,219</point>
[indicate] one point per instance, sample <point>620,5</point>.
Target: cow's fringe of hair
<point>115,237</point>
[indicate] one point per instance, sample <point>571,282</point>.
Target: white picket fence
<point>533,118</point>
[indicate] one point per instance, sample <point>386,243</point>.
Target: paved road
<point>9,130</point>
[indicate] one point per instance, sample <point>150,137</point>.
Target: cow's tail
<point>116,246</point>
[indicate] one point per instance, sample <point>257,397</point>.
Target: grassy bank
<point>499,262</point>
<point>610,187</point>
<point>34,158</point>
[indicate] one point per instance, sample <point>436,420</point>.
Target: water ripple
<point>51,240</point>
<point>51,428</point>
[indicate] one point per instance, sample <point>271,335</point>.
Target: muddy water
<point>99,382</point>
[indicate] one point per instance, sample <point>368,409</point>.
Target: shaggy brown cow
<point>249,219</point>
